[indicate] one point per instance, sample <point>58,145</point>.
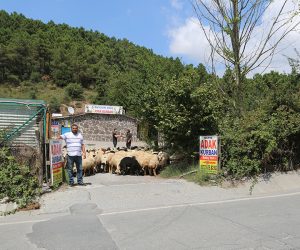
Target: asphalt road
<point>126,212</point>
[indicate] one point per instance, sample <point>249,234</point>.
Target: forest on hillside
<point>32,52</point>
<point>181,101</point>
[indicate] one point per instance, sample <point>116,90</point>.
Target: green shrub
<point>13,79</point>
<point>260,142</point>
<point>54,104</point>
<point>177,169</point>
<point>35,77</point>
<point>201,177</point>
<point>74,91</point>
<point>16,181</point>
<point>32,94</point>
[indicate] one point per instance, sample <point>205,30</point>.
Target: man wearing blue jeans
<point>76,151</point>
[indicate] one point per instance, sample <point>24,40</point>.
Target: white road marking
<point>199,204</point>
<point>167,207</point>
<point>126,184</point>
<point>21,222</point>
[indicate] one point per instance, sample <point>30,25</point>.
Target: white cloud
<point>176,4</point>
<point>188,40</point>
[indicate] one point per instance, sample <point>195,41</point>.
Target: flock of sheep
<point>124,162</point>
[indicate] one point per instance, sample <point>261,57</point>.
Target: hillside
<point>39,60</point>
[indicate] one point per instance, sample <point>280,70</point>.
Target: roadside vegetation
<point>191,172</point>
<point>258,121</point>
<point>178,169</point>
<point>17,183</point>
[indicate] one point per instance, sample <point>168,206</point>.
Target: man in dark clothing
<point>128,139</point>
<point>115,138</point>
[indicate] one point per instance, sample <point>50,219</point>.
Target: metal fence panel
<point>19,119</point>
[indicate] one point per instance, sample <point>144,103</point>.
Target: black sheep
<point>129,165</point>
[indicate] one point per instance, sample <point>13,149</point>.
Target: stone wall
<point>99,127</point>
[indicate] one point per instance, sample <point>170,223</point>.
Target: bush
<point>201,177</point>
<point>177,169</point>
<point>54,105</point>
<point>13,79</point>
<point>16,181</point>
<point>35,77</point>
<point>32,94</point>
<point>265,136</point>
<point>74,91</point>
<point>261,142</point>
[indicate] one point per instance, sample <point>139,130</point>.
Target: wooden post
<point>40,160</point>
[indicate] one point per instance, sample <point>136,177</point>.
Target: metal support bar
<point>8,136</point>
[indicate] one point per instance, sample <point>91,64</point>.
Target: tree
<point>231,28</point>
<point>182,109</point>
<point>295,63</point>
<point>4,63</point>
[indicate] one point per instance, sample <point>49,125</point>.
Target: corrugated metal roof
<point>15,113</point>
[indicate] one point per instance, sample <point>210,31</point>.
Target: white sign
<point>56,161</point>
<point>56,115</point>
<point>209,155</point>
<point>104,109</point>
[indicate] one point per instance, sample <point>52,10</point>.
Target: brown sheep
<point>114,163</point>
<point>143,159</point>
<point>89,164</point>
<point>99,153</point>
<point>105,160</point>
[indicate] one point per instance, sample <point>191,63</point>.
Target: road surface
<point>129,212</point>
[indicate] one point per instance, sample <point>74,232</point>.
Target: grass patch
<point>190,173</point>
<point>203,178</point>
<point>177,169</point>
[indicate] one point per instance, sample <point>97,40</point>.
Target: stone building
<point>99,127</point>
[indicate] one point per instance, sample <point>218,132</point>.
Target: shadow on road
<point>80,230</point>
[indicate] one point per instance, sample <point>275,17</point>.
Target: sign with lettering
<point>54,129</point>
<point>104,109</point>
<point>209,155</point>
<point>56,161</point>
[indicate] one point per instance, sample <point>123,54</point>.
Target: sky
<point>168,27</point>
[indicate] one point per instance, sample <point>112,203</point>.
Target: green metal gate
<point>22,121</point>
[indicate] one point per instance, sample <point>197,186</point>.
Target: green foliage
<point>258,121</point>
<point>200,177</point>
<point>54,105</point>
<point>182,109</point>
<point>30,49</point>
<point>16,182</point>
<point>32,94</point>
<point>176,169</point>
<point>35,77</point>
<point>266,138</point>
<point>14,79</point>
<point>190,173</point>
<point>295,62</point>
<point>74,91</point>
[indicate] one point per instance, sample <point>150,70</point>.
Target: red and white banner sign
<point>209,155</point>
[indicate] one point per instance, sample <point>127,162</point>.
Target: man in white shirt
<point>76,151</point>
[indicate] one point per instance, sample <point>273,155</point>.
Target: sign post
<point>56,162</point>
<point>209,154</point>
